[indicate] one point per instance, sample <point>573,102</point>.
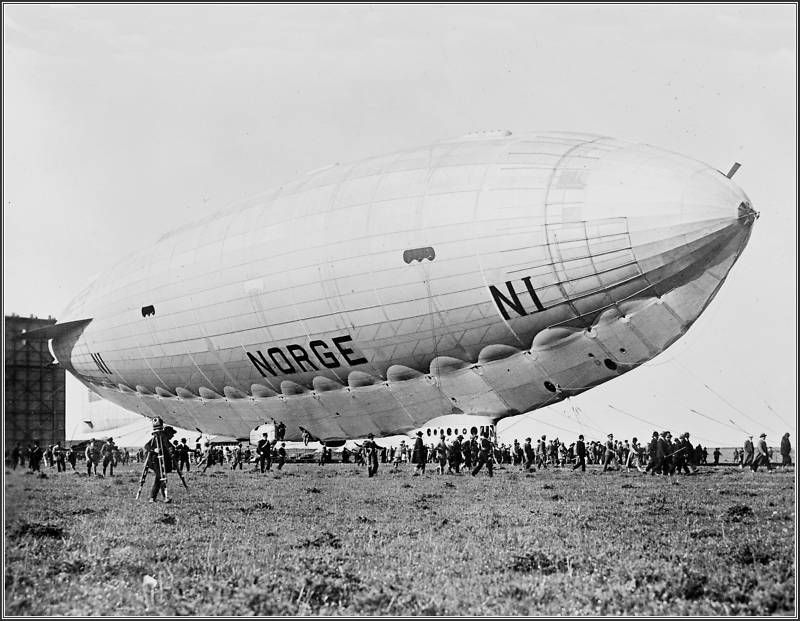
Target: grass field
<point>329,540</point>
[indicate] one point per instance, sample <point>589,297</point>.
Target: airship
<point>484,276</point>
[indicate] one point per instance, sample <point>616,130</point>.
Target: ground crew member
<point>484,455</point>
<point>419,455</point>
<point>281,455</point>
<point>107,451</point>
<point>264,452</point>
<point>59,458</point>
<point>92,457</point>
<point>454,456</point>
<point>441,452</point>
<point>372,455</point>
<point>669,461</point>
<point>35,459</point>
<point>237,457</point>
<point>466,453</point>
<point>717,455</point>
<point>530,455</point>
<point>580,451</point>
<point>762,454</point>
<point>747,453</point>
<point>786,451</point>
<point>72,457</point>
<point>610,454</point>
<point>210,456</point>
<point>183,455</point>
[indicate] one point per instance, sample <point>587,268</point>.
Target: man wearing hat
<point>762,454</point>
<point>162,437</point>
<point>419,454</point>
<point>264,452</point>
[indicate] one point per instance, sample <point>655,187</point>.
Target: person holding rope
<point>161,440</point>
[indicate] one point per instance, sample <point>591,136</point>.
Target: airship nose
<point>682,216</point>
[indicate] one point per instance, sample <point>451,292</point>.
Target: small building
<point>35,386</point>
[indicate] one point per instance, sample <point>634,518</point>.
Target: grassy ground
<point>329,540</point>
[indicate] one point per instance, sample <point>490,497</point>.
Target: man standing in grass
<point>747,452</point>
<point>71,457</point>
<point>58,456</point>
<point>183,455</point>
<point>92,455</point>
<point>281,455</point>
<point>580,451</point>
<point>530,456</point>
<point>35,459</point>
<point>263,452</point>
<point>107,451</point>
<point>237,457</point>
<point>610,455</point>
<point>210,457</point>
<point>786,451</point>
<point>454,456</point>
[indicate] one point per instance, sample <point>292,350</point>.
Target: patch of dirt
<point>38,530</point>
<point>737,513</point>
<point>538,562</point>
<point>256,508</point>
<point>325,539</point>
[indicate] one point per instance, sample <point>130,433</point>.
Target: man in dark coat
<point>786,451</point>
<point>530,455</point>
<point>454,456</point>
<point>264,452</point>
<point>419,455</point>
<point>580,451</point>
<point>484,455</point>
<point>35,459</point>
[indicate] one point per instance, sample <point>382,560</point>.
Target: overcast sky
<point>121,122</point>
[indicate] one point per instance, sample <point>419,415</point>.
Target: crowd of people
<point>661,454</point>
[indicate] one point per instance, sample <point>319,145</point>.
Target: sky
<point>121,122</point>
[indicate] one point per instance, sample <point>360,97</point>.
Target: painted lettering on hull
<point>512,300</point>
<point>295,358</point>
